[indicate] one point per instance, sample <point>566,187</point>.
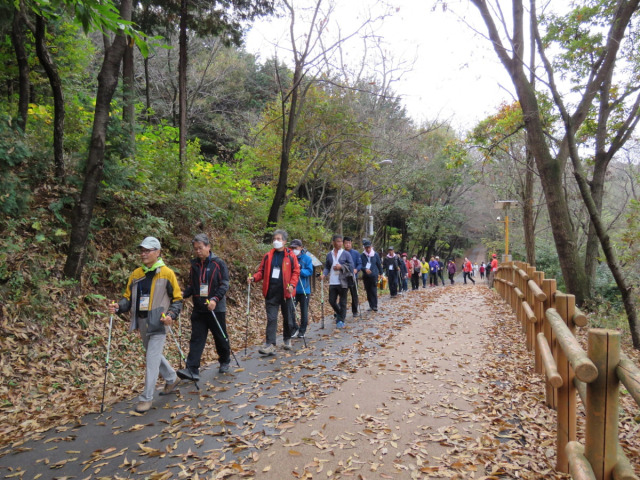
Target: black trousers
<point>371,287</point>
<point>340,307</point>
<point>466,275</point>
<point>415,281</point>
<point>433,278</point>
<point>201,324</point>
<point>393,283</point>
<point>441,277</point>
<point>355,302</point>
<point>303,301</point>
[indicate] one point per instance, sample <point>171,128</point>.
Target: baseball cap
<point>404,254</point>
<point>495,255</point>
<point>150,243</point>
<point>295,243</point>
<point>390,248</point>
<point>366,243</point>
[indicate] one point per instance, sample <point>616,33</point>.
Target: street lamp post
<point>505,205</point>
<point>369,208</point>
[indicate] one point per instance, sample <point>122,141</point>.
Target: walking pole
<point>295,316</point>
<point>246,331</point>
<point>106,366</point>
<point>175,340</point>
<point>224,335</point>
<point>322,299</point>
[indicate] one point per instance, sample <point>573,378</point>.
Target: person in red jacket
<point>492,270</point>
<point>467,268</point>
<point>279,271</point>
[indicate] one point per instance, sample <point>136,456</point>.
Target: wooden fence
<point>548,318</point>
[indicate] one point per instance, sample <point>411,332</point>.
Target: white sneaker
<point>295,333</point>
<point>267,349</point>
<point>287,344</point>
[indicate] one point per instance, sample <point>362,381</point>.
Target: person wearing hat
<point>493,270</point>
<point>154,299</point>
<point>391,266</point>
<point>208,284</point>
<point>371,272</point>
<point>303,289</point>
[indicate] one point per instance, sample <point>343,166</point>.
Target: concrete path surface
<point>399,394</point>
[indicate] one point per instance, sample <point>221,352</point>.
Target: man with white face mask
<point>280,272</point>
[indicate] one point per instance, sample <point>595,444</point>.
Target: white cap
<point>150,243</point>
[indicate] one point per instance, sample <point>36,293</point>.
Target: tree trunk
<point>128,95</point>
<point>528,213</point>
<point>182,92</point>
<point>626,291</point>
<point>22,59</point>
<point>147,94</point>
<point>288,132</point>
<point>83,211</point>
<point>550,169</point>
<point>56,89</point>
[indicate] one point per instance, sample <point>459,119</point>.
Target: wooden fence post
<point>565,305</point>
<point>601,434</point>
<point>538,277</point>
<point>549,288</point>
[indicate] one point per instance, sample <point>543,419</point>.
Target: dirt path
<point>387,419</point>
<point>436,385</point>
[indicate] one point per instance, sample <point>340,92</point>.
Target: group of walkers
<point>154,299</point>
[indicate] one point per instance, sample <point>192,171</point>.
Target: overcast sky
<point>456,74</point>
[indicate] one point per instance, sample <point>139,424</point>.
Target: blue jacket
<point>306,271</point>
<point>357,261</point>
<point>376,265</point>
<point>434,266</point>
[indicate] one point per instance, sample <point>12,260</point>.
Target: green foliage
<point>547,262</point>
<point>14,196</point>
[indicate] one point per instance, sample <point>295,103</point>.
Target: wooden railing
<point>548,318</point>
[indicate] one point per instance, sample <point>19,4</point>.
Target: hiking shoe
<point>188,374</point>
<point>300,335</point>
<point>295,333</point>
<point>224,368</point>
<point>287,344</point>
<point>340,325</point>
<point>143,407</point>
<point>267,349</point>
<point>170,387</point>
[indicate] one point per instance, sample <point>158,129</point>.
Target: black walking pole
<point>106,366</point>
<point>246,332</point>
<point>184,359</point>
<point>322,299</point>
<point>224,335</point>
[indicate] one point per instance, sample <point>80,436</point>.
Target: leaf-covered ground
<point>438,384</point>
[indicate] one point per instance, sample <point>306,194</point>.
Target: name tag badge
<point>390,267</point>
<point>368,266</point>
<point>276,272</point>
<point>144,303</point>
<point>204,290</point>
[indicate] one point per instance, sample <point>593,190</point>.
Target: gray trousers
<point>272,306</point>
<point>156,363</point>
